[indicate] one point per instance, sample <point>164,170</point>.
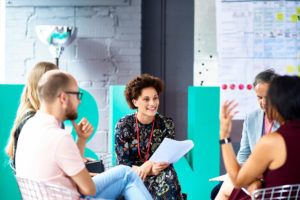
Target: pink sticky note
<point>241,86</point>
<point>249,87</point>
<point>232,86</point>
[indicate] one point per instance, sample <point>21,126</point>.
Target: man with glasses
<point>256,124</point>
<point>48,153</point>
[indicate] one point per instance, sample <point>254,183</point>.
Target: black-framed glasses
<point>79,94</point>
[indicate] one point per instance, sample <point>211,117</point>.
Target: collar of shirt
<point>48,118</point>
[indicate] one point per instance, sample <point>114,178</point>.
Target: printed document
<point>220,178</point>
<point>171,150</point>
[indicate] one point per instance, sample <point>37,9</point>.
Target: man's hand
<point>158,167</point>
<point>254,186</point>
<point>85,160</point>
<point>83,129</point>
<point>144,170</point>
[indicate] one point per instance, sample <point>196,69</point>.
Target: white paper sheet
<point>220,178</point>
<point>171,150</point>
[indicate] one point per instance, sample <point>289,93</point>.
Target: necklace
<point>138,138</point>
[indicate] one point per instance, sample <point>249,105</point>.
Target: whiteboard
<point>253,36</point>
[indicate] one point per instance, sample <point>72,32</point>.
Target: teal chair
<point>203,161</point>
<point>8,107</point>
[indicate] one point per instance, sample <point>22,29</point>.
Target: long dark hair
<point>284,96</point>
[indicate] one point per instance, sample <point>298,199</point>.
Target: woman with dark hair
<point>275,155</point>
<point>138,135</point>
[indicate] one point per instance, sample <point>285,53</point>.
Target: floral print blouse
<point>165,185</point>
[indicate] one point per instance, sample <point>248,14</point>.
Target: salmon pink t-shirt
<point>48,153</point>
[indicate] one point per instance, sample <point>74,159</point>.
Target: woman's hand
<point>83,129</point>
<point>226,115</point>
<point>144,170</point>
<point>254,186</point>
<point>158,167</point>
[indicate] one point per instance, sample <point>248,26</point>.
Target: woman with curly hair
<point>138,135</point>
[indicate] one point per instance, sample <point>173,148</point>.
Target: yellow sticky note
<point>298,11</point>
<point>290,69</point>
<point>294,18</point>
<point>280,16</point>
<point>299,68</point>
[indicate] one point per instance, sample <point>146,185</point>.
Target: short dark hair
<point>264,77</point>
<point>50,85</point>
<point>284,95</point>
<point>134,87</point>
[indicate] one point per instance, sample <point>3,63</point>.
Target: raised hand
<point>226,115</point>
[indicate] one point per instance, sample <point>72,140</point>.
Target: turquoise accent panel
<point>9,102</point>
<point>8,107</point>
<point>118,108</point>
<point>203,128</point>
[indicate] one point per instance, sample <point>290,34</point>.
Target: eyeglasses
<point>79,94</point>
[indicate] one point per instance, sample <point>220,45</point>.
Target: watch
<point>225,141</point>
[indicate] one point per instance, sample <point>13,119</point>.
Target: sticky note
<point>294,18</point>
<point>298,11</point>
<point>232,86</point>
<point>249,86</point>
<point>241,86</point>
<point>299,68</point>
<point>280,16</point>
<point>290,68</point>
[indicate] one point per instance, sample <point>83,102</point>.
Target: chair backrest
<point>288,192</point>
<point>33,190</point>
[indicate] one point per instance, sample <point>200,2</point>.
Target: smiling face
<point>261,90</point>
<point>147,103</point>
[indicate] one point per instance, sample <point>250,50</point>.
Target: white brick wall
<point>105,52</point>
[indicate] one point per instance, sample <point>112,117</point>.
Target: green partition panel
<point>8,107</point>
<point>118,108</point>
<point>9,102</point>
<point>203,128</point>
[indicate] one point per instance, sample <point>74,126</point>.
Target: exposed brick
<point>13,13</point>
<point>19,48</point>
<point>130,51</point>
<point>98,142</point>
<point>106,50</point>
<point>97,27</point>
<point>91,49</point>
<point>84,70</point>
<point>128,9</point>
<point>85,84</point>
<point>85,12</point>
<point>131,37</point>
<point>54,12</point>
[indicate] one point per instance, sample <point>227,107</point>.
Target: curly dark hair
<point>134,87</point>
